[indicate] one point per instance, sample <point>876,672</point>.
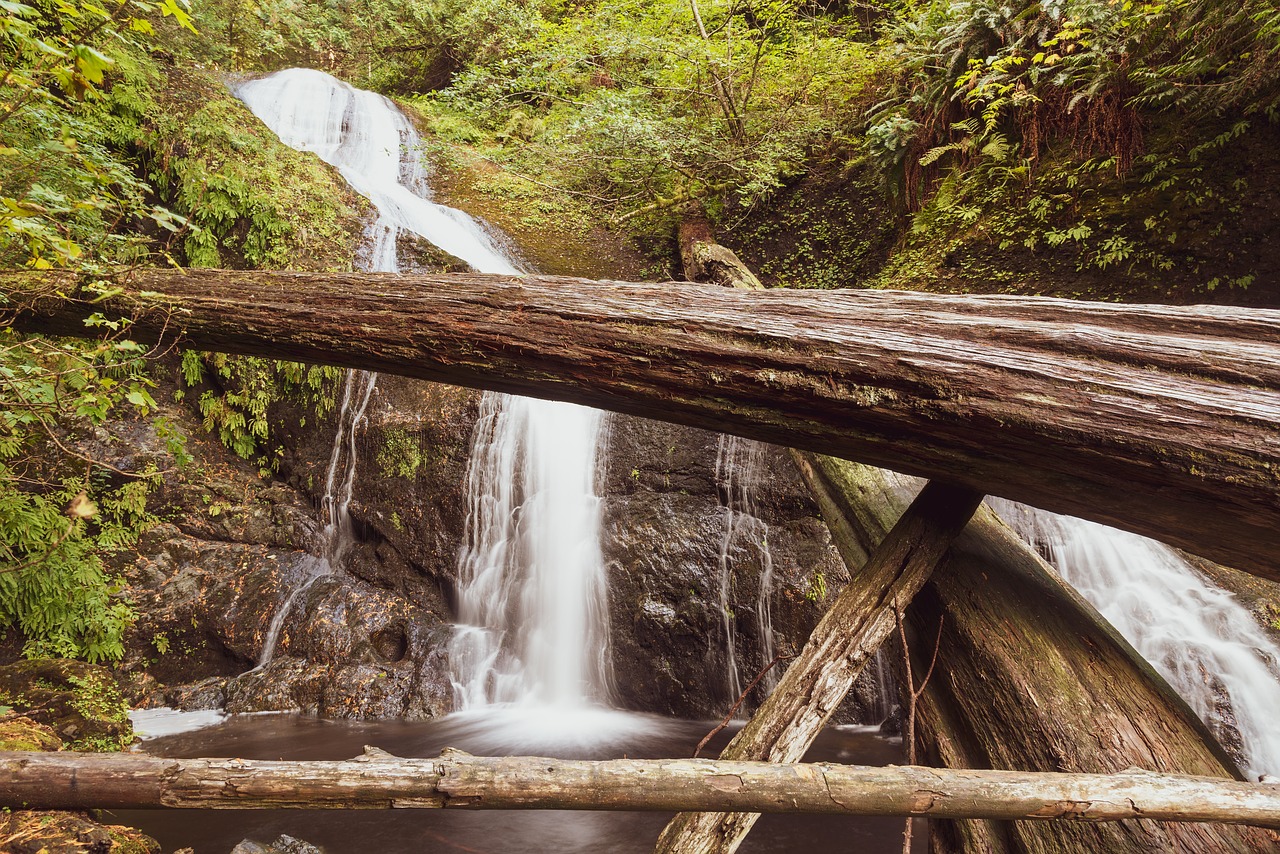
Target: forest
<point>263,526</point>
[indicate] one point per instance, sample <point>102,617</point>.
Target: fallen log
<point>458,780</point>
<point>1029,676</point>
<point>861,618</point>
<point>1162,420</point>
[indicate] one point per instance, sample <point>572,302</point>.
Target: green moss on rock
<point>81,703</point>
<point>22,733</point>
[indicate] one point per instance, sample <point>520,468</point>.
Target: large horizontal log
<point>458,780</point>
<point>1162,420</point>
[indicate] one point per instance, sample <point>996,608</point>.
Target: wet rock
<point>408,502</point>
<point>685,571</point>
<point>283,844</point>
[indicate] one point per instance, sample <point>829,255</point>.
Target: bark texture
<point>1161,420</point>
<point>1029,676</point>
<point>458,780</point>
<point>815,684</point>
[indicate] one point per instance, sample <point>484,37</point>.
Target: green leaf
<point>171,8</point>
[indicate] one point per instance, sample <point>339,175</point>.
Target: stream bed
<point>567,734</point>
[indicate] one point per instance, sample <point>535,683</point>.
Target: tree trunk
<point>1029,676</point>
<point>458,780</point>
<point>1161,420</point>
<point>848,635</point>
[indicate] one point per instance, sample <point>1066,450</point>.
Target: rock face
<point>693,523</point>
<point>238,554</point>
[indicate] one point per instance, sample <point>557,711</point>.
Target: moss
<point>829,229</point>
<point>81,703</point>
<point>127,840</point>
<point>252,201</point>
<point>400,455</point>
<point>558,233</point>
<point>22,733</point>
<point>1187,224</point>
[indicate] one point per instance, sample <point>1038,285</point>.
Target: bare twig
<point>741,699</point>
<point>913,695</point>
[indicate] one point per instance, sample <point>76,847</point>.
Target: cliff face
<point>692,524</point>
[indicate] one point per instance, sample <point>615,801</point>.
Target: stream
<point>595,734</point>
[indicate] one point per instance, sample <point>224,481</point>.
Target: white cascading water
<point>739,463</point>
<point>1205,643</point>
<point>532,601</point>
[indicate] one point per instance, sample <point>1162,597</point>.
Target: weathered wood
<point>457,780</point>
<point>1161,420</point>
<point>1029,676</point>
<point>846,638</point>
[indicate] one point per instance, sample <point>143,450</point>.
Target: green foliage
<point>234,393</point>
<point>1088,133</point>
<point>632,104</point>
<point>96,697</point>
<point>60,512</point>
<point>400,455</point>
<point>817,589</point>
<point>986,81</point>
<point>252,201</point>
<point>65,192</point>
<point>71,199</point>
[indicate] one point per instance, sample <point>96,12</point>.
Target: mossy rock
<point>22,733</point>
<point>129,840</point>
<point>41,832</point>
<point>82,703</point>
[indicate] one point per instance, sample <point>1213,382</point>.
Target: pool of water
<point>587,734</point>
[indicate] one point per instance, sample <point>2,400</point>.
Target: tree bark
<point>848,635</point>
<point>1029,676</point>
<point>457,780</point>
<point>1162,420</point>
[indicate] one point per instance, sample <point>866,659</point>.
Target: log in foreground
<point>1161,420</point>
<point>457,780</point>
<point>814,685</point>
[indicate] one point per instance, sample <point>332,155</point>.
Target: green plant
<point>817,589</point>
<point>71,200</point>
<point>400,454</point>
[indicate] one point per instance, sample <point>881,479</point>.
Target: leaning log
<point>1162,420</point>
<point>816,683</point>
<point>1029,676</point>
<point>458,780</point>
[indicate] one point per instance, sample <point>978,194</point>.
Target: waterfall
<point>531,598</point>
<point>1204,642</point>
<point>739,463</point>
<point>533,621</point>
<point>374,147</point>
